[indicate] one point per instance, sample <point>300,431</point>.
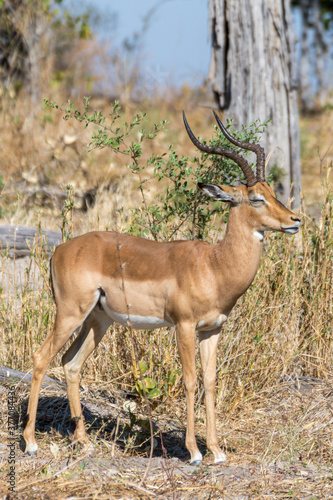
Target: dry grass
<point>277,430</point>
<point>50,153</point>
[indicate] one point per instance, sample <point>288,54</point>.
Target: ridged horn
<point>256,148</point>
<point>229,153</point>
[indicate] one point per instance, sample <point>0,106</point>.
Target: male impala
<point>104,277</point>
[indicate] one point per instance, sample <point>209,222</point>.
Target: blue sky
<point>174,49</point>
<point>175,45</point>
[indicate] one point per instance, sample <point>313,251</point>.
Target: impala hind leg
<point>208,348</point>
<point>63,328</point>
<point>91,334</point>
<point>186,346</point>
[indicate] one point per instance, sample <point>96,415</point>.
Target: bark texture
<point>8,375</point>
<point>253,75</point>
<point>316,54</point>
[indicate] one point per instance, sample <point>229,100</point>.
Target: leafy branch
<point>178,205</point>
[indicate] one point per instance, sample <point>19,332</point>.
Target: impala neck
<point>238,254</point>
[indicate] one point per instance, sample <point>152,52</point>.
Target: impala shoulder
<point>196,248</point>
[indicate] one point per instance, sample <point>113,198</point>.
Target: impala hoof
<point>196,462</point>
<point>31,453</point>
<point>196,458</point>
<point>221,459</point>
<point>31,450</point>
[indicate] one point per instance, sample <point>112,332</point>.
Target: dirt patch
<point>93,476</point>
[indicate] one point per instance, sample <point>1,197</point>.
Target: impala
<point>104,277</point>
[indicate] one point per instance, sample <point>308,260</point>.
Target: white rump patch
<point>135,321</point>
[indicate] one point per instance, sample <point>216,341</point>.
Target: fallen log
<point>18,241</point>
<point>9,375</point>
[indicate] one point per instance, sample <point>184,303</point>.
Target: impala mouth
<point>291,229</point>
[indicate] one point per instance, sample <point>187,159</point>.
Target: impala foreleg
<point>186,345</point>
<point>208,348</point>
<point>91,334</point>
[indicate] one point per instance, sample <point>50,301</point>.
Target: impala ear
<point>220,193</point>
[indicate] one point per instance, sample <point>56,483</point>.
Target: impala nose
<point>296,219</point>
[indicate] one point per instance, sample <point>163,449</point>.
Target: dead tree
<point>253,75</point>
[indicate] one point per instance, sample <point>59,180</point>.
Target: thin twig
<point>137,365</point>
<point>147,210</point>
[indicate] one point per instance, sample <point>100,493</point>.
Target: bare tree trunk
<point>305,93</point>
<point>316,56</point>
<point>32,26</point>
<point>253,75</point>
<point>322,56</point>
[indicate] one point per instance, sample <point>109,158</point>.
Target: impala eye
<point>257,201</point>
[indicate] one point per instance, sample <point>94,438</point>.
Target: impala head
<point>256,201</point>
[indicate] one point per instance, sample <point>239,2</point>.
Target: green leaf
<point>143,366</point>
<point>154,393</point>
<point>149,383</point>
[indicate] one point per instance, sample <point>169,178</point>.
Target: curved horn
<point>229,153</point>
<point>256,148</point>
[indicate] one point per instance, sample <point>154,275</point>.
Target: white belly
<point>135,321</point>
